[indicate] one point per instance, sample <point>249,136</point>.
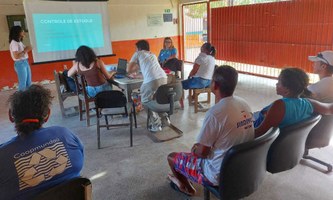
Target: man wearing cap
<point>323,66</point>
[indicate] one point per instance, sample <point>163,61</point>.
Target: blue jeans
<point>23,72</point>
<point>195,82</point>
<point>93,90</point>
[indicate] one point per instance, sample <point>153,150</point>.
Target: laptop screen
<point>122,65</point>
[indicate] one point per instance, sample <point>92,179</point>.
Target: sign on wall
<point>167,17</point>
<point>155,20</point>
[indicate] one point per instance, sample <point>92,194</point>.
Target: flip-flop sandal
<point>176,188</point>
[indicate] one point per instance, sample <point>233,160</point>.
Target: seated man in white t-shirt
<point>153,77</point>
<point>323,66</point>
<point>227,123</point>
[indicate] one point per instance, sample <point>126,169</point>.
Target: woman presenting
<point>19,54</point>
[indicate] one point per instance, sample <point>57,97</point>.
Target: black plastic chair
<point>75,189</point>
<point>243,168</point>
<point>319,137</point>
<point>111,103</point>
<point>287,150</point>
<point>166,100</point>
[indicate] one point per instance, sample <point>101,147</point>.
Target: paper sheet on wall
<point>155,20</point>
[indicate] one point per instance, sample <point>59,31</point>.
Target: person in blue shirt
<point>38,158</point>
<point>291,109</point>
<point>168,52</point>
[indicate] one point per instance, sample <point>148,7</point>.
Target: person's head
<point>142,45</point>
<point>168,44</point>
<point>292,82</point>
<point>16,33</point>
<point>322,62</point>
<point>224,80</point>
<point>208,49</point>
<point>85,55</point>
<point>29,109</point>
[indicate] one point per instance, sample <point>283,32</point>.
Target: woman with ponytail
<point>203,68</point>
<point>292,84</point>
<point>37,158</point>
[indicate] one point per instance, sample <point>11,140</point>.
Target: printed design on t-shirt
<point>41,163</point>
<point>246,122</point>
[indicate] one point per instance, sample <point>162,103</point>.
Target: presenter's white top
<point>148,63</point>
<point>323,90</point>
<point>207,66</point>
<point>227,123</point>
<point>19,47</point>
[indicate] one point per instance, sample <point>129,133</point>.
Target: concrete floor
<point>120,172</point>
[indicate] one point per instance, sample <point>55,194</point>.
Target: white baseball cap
<point>325,57</point>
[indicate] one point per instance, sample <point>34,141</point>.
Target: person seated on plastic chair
<point>227,123</point>
<point>203,69</point>
<point>37,158</point>
<point>168,53</point>
<point>86,63</point>
<point>291,109</point>
<point>323,66</point>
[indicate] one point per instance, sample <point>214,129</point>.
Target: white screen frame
<point>45,7</point>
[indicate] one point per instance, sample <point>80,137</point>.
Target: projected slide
<point>61,32</point>
<point>58,28</point>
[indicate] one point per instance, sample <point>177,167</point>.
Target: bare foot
<point>190,191</point>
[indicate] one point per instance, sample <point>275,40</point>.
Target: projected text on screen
<point>61,32</point>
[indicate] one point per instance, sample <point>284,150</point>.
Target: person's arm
<point>73,70</point>
<point>194,69</point>
<point>160,56</point>
<point>322,108</point>
<point>273,118</point>
<point>101,66</point>
<point>209,134</point>
<point>132,67</point>
<point>27,49</point>
<point>19,54</point>
<point>200,150</point>
<point>173,54</point>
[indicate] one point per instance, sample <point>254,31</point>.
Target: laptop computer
<point>121,68</point>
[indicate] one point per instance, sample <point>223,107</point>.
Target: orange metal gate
<point>263,38</point>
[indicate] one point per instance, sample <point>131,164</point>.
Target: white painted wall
<point>128,19</point>
<point>129,22</point>
<point>8,9</point>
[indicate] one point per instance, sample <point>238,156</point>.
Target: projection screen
<point>57,29</point>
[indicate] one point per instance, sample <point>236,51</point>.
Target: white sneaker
<point>165,121</point>
<point>154,129</point>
